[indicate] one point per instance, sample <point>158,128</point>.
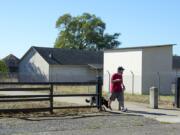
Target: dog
<point>92,101</point>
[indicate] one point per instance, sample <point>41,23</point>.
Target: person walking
<point>117,89</point>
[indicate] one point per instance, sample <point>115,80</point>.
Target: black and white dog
<point>92,101</point>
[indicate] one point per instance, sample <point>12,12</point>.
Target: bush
<point>3,67</point>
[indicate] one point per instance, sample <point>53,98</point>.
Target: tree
<point>84,32</point>
<point>3,67</point>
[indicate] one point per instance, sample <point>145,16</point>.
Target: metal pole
<point>159,85</point>
<point>132,82</point>
<point>109,75</point>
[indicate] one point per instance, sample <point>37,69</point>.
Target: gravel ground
<point>97,124</point>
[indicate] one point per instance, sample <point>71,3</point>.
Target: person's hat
<point>120,68</point>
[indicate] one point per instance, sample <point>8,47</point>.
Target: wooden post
<point>178,93</point>
<point>51,98</point>
<point>99,92</point>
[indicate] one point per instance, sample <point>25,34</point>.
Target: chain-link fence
<point>135,83</point>
<point>140,84</point>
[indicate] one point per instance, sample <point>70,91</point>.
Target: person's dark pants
<point>119,96</point>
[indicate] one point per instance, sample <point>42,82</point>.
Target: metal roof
<point>55,56</point>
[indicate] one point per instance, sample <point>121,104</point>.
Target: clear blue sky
<point>26,23</point>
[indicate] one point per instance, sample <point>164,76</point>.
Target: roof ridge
<point>71,49</point>
<point>140,47</point>
<point>9,56</point>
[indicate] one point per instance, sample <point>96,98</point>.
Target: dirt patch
<point>57,112</point>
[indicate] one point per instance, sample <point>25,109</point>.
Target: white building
<point>144,67</point>
<point>41,64</point>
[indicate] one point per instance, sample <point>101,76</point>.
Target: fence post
<point>99,92</point>
<point>178,93</point>
<point>51,98</point>
<point>153,96</point>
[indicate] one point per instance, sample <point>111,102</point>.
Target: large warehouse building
<point>144,67</point>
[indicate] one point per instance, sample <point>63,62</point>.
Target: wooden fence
<point>47,86</point>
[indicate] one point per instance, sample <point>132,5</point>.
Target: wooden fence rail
<point>48,97</point>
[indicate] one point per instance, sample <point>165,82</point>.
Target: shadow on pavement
<point>149,113</point>
<point>102,114</point>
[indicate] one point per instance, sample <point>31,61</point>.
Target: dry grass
<point>74,89</point>
<point>164,101</point>
<point>137,98</point>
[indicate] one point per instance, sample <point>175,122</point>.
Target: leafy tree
<point>84,32</point>
<point>3,67</point>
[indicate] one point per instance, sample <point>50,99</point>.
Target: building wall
<point>157,69</point>
<point>176,72</point>
<point>33,68</point>
<point>71,73</point>
<point>131,60</point>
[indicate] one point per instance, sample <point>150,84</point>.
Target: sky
<point>26,23</point>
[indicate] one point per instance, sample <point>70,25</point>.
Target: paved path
<point>163,115</point>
